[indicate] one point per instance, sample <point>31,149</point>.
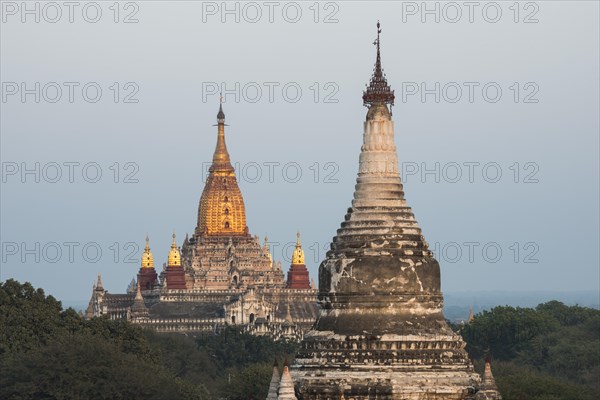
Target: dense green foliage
<point>50,353</point>
<point>551,352</point>
<point>547,353</point>
<point>231,364</point>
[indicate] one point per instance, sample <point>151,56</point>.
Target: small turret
<point>298,274</point>
<point>99,287</point>
<point>288,315</point>
<point>286,384</point>
<point>488,379</point>
<point>175,273</point>
<point>132,287</point>
<point>298,256</point>
<point>488,389</point>
<point>174,259</point>
<point>139,309</point>
<point>147,258</point>
<point>266,249</point>
<point>272,395</point>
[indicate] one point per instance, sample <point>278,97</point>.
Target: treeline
<point>551,352</point>
<point>50,353</point>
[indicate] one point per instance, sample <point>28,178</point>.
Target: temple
<point>220,276</point>
<point>381,333</point>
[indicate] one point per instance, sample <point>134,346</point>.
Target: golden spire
<point>174,259</point>
<point>221,162</point>
<point>147,259</point>
<point>298,256</point>
<point>221,210</point>
<point>266,247</point>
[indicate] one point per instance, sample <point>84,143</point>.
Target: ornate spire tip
<point>221,114</point>
<point>378,91</point>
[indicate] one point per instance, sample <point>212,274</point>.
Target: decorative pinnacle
<point>378,91</point>
<point>298,255</point>
<point>99,284</point>
<point>221,114</point>
<point>138,293</point>
<point>221,161</point>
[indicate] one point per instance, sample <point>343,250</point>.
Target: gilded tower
<point>221,210</point>
<point>381,333</point>
<point>222,255</point>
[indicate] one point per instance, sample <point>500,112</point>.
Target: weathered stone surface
<point>381,333</point>
<point>272,394</point>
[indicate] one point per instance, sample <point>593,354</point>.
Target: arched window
<point>252,318</point>
<point>226,199</point>
<point>227,211</point>
<point>233,319</point>
<point>226,225</point>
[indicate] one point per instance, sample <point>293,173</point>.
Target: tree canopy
<point>550,352</point>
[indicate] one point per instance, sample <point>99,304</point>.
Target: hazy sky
<point>496,127</point>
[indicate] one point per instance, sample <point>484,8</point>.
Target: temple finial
<point>378,91</point>
<point>221,160</point>
<point>221,114</point>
